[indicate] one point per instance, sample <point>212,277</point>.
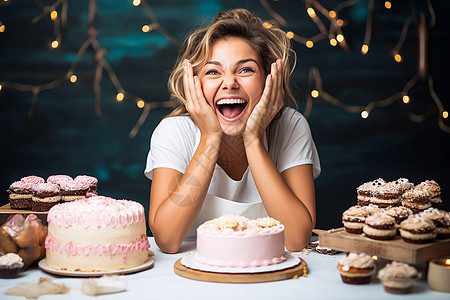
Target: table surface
<point>161,282</point>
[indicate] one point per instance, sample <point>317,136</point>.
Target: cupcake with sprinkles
<point>20,194</point>
<point>45,196</point>
<point>91,180</point>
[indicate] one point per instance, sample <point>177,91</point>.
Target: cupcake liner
<point>10,271</point>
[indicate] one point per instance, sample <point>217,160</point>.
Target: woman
<point>233,146</point>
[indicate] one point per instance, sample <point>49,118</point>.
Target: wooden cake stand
<point>295,271</point>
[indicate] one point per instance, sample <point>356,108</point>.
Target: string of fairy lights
<point>330,27</point>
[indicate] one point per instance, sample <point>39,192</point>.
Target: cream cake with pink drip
<point>235,241</point>
<point>96,234</point>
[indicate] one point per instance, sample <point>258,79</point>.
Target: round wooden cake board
<point>289,273</point>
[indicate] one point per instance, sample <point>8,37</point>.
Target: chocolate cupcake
<point>73,190</point>
<point>441,220</point>
<point>435,191</point>
<point>416,199</point>
<point>417,230</point>
<point>20,194</point>
<point>388,194</point>
<point>92,181</point>
<point>398,277</point>
<point>356,268</point>
<point>354,217</point>
<point>400,213</point>
<point>380,226</point>
<point>365,191</point>
<point>10,265</point>
<point>45,196</point>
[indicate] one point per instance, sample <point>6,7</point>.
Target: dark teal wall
<point>65,135</point>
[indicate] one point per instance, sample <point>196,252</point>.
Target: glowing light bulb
<point>314,93</point>
<point>73,78</point>
<point>340,38</point>
<point>136,2</point>
<point>405,99</point>
<point>2,28</point>
<point>120,96</point>
<point>290,34</point>
<point>267,25</point>
<point>309,44</point>
<point>364,114</point>
<point>375,257</point>
<point>55,44</point>
<point>398,57</point>
<point>140,103</point>
<point>332,14</point>
<point>388,4</point>
<point>54,15</point>
<point>146,28</point>
<point>444,115</point>
<point>364,49</point>
<point>333,42</point>
<point>311,12</point>
<point>340,22</point>
<point>0,87</point>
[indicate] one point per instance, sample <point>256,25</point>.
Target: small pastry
<point>398,277</point>
<point>380,226</point>
<point>356,268</point>
<point>417,230</point>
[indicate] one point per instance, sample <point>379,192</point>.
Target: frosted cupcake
<point>10,265</point>
<point>398,277</point>
<point>356,268</point>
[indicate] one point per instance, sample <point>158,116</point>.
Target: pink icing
<point>86,178</point>
<point>58,178</point>
<point>33,179</point>
<point>73,185</point>
<point>74,249</point>
<point>86,213</point>
<point>246,248</point>
<point>20,185</point>
<point>46,187</point>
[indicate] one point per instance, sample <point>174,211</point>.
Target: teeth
<point>230,101</point>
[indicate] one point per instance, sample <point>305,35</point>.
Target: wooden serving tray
<point>396,249</point>
<point>289,273</point>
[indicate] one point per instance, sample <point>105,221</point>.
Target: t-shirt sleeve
<point>171,145</point>
<point>296,145</point>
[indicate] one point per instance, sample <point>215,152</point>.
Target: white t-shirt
<point>175,140</point>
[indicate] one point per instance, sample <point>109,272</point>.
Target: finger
<point>199,92</point>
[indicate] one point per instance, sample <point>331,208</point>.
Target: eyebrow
<point>242,61</point>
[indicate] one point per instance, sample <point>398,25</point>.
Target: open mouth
<point>231,108</point>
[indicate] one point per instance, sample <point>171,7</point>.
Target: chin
<point>233,129</point>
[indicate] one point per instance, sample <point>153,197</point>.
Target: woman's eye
<point>211,72</point>
<point>247,70</point>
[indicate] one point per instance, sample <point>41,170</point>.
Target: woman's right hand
<point>197,106</point>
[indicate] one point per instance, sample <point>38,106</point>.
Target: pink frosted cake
<point>235,241</point>
<point>96,234</point>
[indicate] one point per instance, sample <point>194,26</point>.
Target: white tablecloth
<point>161,282</point>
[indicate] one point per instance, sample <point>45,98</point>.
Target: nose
<point>229,82</point>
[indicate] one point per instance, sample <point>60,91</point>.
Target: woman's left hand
<point>271,102</point>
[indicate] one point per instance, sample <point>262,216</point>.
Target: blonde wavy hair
<point>270,42</point>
